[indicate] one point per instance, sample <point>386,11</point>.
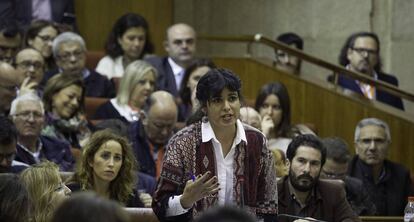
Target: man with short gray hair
<point>388,183</point>
<point>69,50</point>
<point>27,113</point>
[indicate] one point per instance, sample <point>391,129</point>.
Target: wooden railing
<point>258,38</point>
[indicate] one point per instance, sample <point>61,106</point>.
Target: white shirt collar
<point>207,133</point>
<point>177,70</point>
<point>125,111</point>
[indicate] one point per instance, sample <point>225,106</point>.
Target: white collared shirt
<point>35,155</point>
<point>178,72</point>
<point>224,168</point>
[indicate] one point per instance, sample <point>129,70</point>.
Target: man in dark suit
<point>24,11</point>
<point>388,183</point>
<point>181,47</point>
<point>302,193</point>
<point>361,53</point>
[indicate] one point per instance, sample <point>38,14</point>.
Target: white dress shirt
<point>224,168</point>
<point>178,72</point>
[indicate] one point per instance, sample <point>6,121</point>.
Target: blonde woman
<point>46,190</point>
<point>107,167</point>
<point>136,86</point>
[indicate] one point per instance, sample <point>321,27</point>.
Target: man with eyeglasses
<point>181,47</point>
<point>8,139</point>
<point>361,53</point>
<point>69,50</point>
<point>150,134</point>
<point>336,167</point>
<point>27,113</point>
<point>31,63</point>
<point>9,81</point>
<point>388,183</point>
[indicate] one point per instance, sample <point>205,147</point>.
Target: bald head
<point>250,116</point>
<point>9,80</point>
<point>161,117</point>
<point>181,44</point>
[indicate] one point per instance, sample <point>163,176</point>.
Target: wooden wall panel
<point>96,17</point>
<point>333,113</point>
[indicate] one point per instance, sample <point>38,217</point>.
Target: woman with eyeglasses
<point>128,41</point>
<point>46,190</point>
<point>108,167</point>
<point>63,99</point>
<point>40,36</point>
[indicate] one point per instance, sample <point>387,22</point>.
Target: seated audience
<point>63,99</point>
<point>8,141</point>
<point>199,169</point>
<point>14,199</point>
<point>10,40</point>
<point>281,166</point>
<point>273,104</point>
<point>28,115</point>
<point>336,166</point>
<point>149,136</point>
<point>181,47</point>
<point>40,35</point>
<point>225,214</point>
<point>188,103</point>
<point>136,86</point>
<point>251,117</point>
<point>128,41</point>
<point>46,190</point>
<point>89,207</point>
<point>30,63</point>
<point>302,193</point>
<point>69,51</point>
<point>107,166</point>
<point>388,183</point>
<point>361,53</point>
<point>284,61</point>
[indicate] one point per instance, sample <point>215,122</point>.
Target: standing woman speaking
<point>217,160</point>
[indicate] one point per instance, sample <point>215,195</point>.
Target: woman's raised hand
<point>204,185</point>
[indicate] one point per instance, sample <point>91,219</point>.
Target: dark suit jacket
<point>390,193</point>
<point>329,203</point>
<point>165,79</point>
<point>63,11</point>
<point>381,95</point>
<point>53,150</point>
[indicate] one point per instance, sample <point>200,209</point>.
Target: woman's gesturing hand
<point>201,187</point>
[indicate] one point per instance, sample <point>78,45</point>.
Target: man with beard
<point>150,134</point>
<point>302,193</point>
<point>388,183</point>
<point>8,140</point>
<point>181,47</point>
<point>361,53</point>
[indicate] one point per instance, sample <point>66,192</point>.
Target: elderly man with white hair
<point>69,50</point>
<point>27,113</point>
<point>388,183</point>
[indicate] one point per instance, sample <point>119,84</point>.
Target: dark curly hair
<point>125,22</point>
<point>306,140</point>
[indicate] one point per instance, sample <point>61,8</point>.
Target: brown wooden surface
<point>332,112</point>
<point>381,219</point>
<point>96,17</point>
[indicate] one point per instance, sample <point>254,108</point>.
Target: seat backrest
<point>92,58</point>
<point>142,214</point>
<point>92,104</point>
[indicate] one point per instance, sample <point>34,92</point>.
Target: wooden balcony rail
<point>258,38</point>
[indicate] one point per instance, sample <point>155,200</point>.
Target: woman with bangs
<point>136,86</point>
<point>45,188</point>
<point>107,167</point>
<point>128,41</point>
